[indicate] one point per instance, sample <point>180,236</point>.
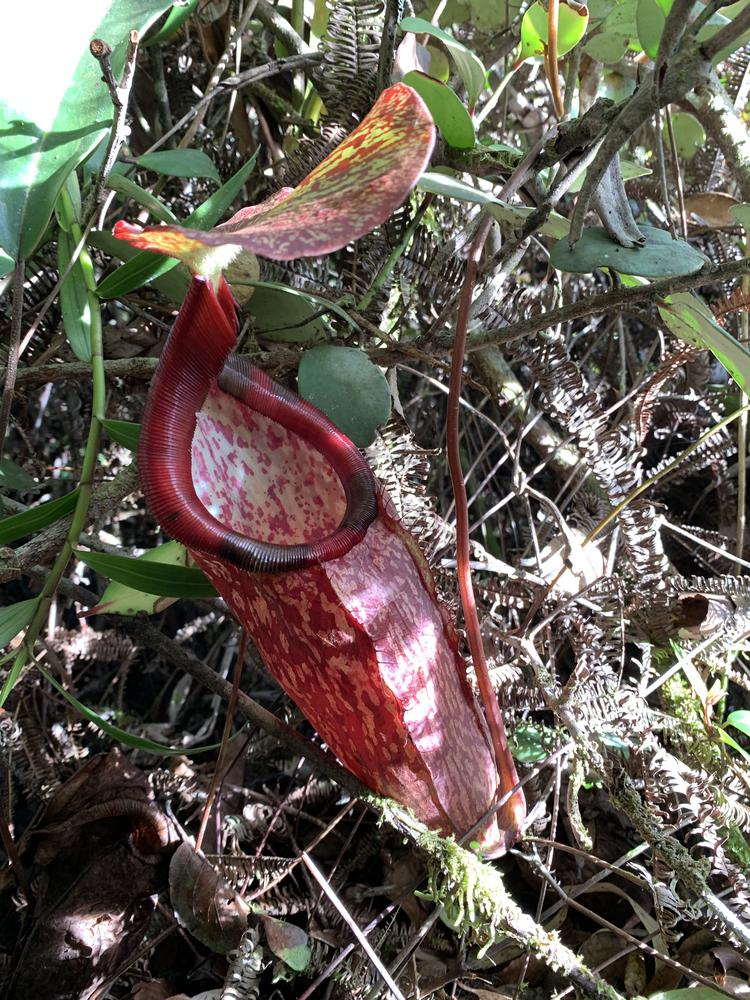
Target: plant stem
<point>553,73</point>
<point>88,465</point>
<point>11,370</point>
<point>512,814</point>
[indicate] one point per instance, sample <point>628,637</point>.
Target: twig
<point>120,94</point>
<point>394,11</point>
<point>218,767</point>
<point>219,68</point>
<point>617,300</point>
<point>352,925</point>
<point>281,29</point>
<point>272,68</point>
<point>11,370</point>
<point>603,922</point>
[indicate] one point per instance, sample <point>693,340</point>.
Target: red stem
<point>514,811</point>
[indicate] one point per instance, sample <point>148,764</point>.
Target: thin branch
<point>11,371</point>
<point>272,68</point>
<point>616,300</point>
<point>120,94</point>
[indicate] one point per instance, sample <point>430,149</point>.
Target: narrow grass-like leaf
<point>177,16</point>
<point>150,577</point>
<point>74,300</point>
<point>180,163</point>
<point>692,321</point>
<point>14,618</point>
<point>740,720</point>
<point>118,599</point>
<point>121,735</point>
<point>127,188</point>
<point>124,432</point>
<point>30,521</point>
<point>13,477</point>
<point>145,267</point>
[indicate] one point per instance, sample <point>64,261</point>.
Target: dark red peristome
<point>196,352</point>
<point>355,634</point>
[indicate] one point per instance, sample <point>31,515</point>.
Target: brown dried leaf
<point>712,208</point>
<point>206,905</point>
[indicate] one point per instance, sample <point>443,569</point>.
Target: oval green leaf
<point>607,47</point>
<point>741,214</point>
<point>449,114</point>
<point>180,163</point>
<point>468,65</point>
<point>571,27</point>
<point>689,134</point>
<point>650,18</point>
<point>348,388</point>
<point>150,577</point>
<point>661,257</point>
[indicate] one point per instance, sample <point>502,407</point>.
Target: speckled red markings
<point>352,191</point>
<point>358,638</point>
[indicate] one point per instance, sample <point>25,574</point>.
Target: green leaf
<point>740,720</point>
<point>150,577</point>
<point>118,599</point>
<point>469,65</point>
<point>6,264</point>
<point>13,477</point>
<point>180,163</point>
<point>700,993</point>
<point>741,213</point>
<point>571,27</point>
<point>74,299</point>
<point>556,226</point>
<point>449,114</point>
<point>287,941</point>
<point>15,618</point>
<point>121,735</point>
<point>145,266</point>
<point>691,320</point>
<point>348,388</point>
<point>54,108</point>
<point>650,18</point>
<point>607,47</point>
<point>127,188</point>
<point>532,743</point>
<point>689,134</point>
<point>30,521</point>
<point>124,432</point>
<point>177,16</point>
<point>286,316</point>
<point>661,257</point>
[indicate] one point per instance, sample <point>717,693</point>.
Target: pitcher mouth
<point>197,359</point>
